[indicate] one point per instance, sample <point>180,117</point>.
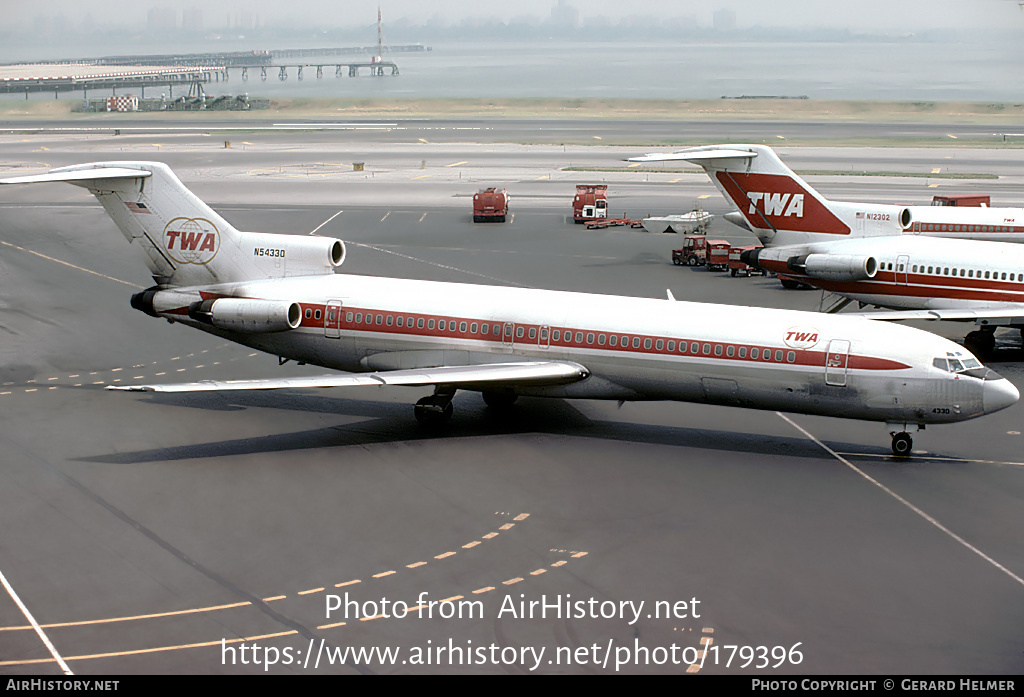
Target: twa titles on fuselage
<point>874,253</point>
<point>281,294</point>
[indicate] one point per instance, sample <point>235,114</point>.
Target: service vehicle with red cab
<point>591,202</point>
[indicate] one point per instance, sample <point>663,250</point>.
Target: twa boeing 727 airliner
<point>281,294</point>
<point>872,253</point>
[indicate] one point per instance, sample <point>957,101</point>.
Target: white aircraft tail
<point>773,199</point>
<point>184,241</point>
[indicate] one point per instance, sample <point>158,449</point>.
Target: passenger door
<point>836,361</point>
<point>332,319</point>
<point>508,336</point>
<point>902,269</point>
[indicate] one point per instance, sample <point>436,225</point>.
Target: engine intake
<point>276,256</point>
<point>834,267</point>
<point>247,315</point>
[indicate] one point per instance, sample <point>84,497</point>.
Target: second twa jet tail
<point>777,204</point>
<point>184,241</point>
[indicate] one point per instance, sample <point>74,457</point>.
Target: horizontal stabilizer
<point>696,155</point>
<point>534,373</point>
<point>79,175</point>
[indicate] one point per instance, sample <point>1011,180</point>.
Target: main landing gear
<point>500,400</point>
<point>982,341</point>
<point>902,443</point>
<point>436,410</point>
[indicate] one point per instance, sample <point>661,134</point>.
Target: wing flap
<point>535,373</point>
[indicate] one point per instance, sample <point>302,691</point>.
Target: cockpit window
<point>956,363</point>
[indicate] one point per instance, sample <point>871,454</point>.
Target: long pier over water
<point>193,69</point>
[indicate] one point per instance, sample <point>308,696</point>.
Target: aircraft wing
<point>696,155</point>
<point>991,316</point>
<point>533,373</point>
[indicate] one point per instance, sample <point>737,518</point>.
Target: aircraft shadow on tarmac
<point>391,422</point>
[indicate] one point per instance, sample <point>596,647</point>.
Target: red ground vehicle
<point>700,251</point>
<point>737,266</point>
<point>490,205</point>
<point>976,200</point>
<point>718,255</point>
<point>591,202</point>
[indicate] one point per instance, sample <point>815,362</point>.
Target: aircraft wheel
<point>980,342</point>
<point>788,284</point>
<point>902,444</point>
<point>499,400</point>
<point>434,411</point>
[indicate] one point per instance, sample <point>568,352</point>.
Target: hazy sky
<point>876,16</point>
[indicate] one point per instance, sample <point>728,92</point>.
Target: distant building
<point>192,19</point>
<point>724,20</point>
<point>245,19</point>
<point>162,18</point>
<point>565,15</point>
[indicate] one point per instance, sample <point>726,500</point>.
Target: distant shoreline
<point>770,109</point>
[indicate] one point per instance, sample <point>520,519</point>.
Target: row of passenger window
<point>936,227</point>
<point>963,273</point>
<point>692,348</point>
<point>544,335</point>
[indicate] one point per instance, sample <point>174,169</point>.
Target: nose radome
<point>998,394</point>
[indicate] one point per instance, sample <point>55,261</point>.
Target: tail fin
<point>771,197</point>
<point>185,242</point>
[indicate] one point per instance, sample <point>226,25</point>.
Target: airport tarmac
<point>163,533</point>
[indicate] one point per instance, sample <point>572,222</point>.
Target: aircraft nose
<point>998,394</point>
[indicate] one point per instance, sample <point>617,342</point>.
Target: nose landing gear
<point>902,443</point>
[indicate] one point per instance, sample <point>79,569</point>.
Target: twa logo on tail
<point>780,202</point>
<point>775,204</point>
<point>191,240</point>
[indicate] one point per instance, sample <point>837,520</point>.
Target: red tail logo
<point>191,240</point>
<point>778,201</point>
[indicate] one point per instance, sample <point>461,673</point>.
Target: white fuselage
<point>968,222</point>
<point>918,272</point>
<point>633,348</point>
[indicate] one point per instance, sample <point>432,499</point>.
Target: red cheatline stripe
<point>802,357</point>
